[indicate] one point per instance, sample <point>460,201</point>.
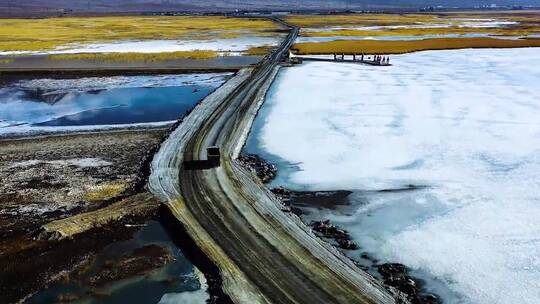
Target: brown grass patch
<point>105,191</point>
<point>359,19</point>
<point>139,204</point>
<point>259,50</point>
<point>321,21</point>
<point>502,31</point>
<point>407,46</point>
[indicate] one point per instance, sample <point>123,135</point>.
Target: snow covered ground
<point>463,124</point>
<point>231,46</point>
<point>457,22</point>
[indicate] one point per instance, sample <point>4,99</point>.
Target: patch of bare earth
<point>47,179</point>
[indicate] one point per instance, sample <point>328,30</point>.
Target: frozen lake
<point>100,102</point>
<point>463,126</point>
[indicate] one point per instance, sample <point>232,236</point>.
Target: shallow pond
<point>176,280</point>
<point>100,102</point>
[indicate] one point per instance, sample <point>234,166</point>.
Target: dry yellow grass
<point>424,24</point>
<point>46,34</point>
<point>139,204</point>
<point>512,31</point>
<point>259,50</point>
<point>105,191</point>
<point>321,21</point>
<point>142,57</point>
<point>359,19</point>
<point>520,16</point>
<point>407,46</point>
<point>6,60</point>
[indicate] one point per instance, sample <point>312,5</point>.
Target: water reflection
<point>177,277</point>
<point>26,105</point>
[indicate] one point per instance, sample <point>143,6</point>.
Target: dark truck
<point>213,160</point>
<point>214,156</point>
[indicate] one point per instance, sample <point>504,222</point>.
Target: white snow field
<point>228,46</point>
<point>465,124</point>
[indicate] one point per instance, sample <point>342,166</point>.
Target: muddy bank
<point>51,178</point>
<point>71,173</point>
<point>301,200</point>
<point>143,268</point>
<point>140,261</point>
<point>42,65</point>
<point>31,264</point>
<point>136,205</point>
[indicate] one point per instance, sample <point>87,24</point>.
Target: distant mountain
<point>80,6</point>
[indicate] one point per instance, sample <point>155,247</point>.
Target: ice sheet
<point>463,123</point>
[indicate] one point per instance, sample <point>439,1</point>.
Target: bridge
<point>375,60</point>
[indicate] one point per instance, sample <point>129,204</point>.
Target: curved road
<point>264,254</point>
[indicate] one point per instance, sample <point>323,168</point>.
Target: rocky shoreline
<point>394,275</point>
<point>265,171</point>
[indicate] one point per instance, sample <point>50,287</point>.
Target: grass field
<point>407,46</point>
<point>422,24</point>
<point>50,33</point>
<point>307,21</point>
<point>425,31</point>
<point>350,20</point>
<point>521,24</point>
<point>259,50</point>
